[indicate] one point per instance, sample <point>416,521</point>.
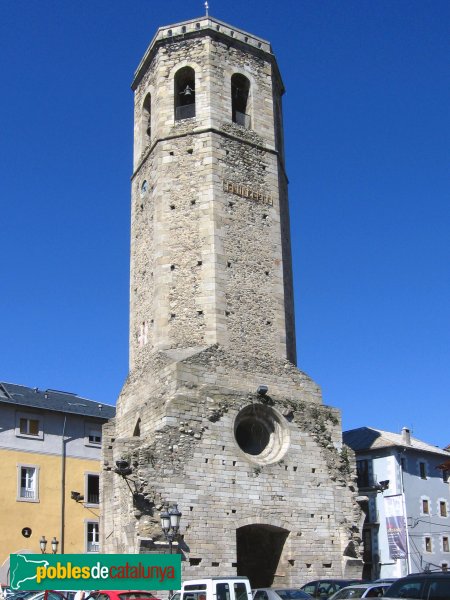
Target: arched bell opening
<point>184,97</point>
<point>240,100</point>
<point>146,121</point>
<point>259,549</point>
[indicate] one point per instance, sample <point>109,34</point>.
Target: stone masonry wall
<point>207,265</point>
<point>196,462</point>
<point>212,320</point>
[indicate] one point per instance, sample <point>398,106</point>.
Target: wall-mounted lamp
<point>262,390</point>
<point>123,468</point>
<point>43,544</point>
<point>382,486</point>
<point>76,496</point>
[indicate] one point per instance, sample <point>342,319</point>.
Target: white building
<point>404,491</point>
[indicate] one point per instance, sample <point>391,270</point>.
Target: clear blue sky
<point>367,141</point>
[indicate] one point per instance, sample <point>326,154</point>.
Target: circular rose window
<point>261,433</point>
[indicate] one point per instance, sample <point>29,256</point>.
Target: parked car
<point>324,588</point>
<point>10,594</point>
<point>421,586</point>
<point>217,588</point>
<point>280,594</point>
<point>121,595</point>
<point>51,595</point>
<point>361,590</point>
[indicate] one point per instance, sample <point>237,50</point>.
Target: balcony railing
<point>93,547</point>
<point>26,493</point>
<point>185,112</point>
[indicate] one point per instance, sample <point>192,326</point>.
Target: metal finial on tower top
<point>206,7</point>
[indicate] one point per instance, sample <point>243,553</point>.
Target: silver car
<point>362,590</point>
<point>280,594</point>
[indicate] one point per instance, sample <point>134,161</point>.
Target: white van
<point>217,588</point>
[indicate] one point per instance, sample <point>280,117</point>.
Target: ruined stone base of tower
<point>264,485</point>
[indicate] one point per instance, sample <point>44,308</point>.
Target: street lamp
<point>170,523</point>
<point>54,544</point>
<point>43,544</point>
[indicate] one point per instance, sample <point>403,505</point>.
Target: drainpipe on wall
<point>63,486</point>
<point>402,483</point>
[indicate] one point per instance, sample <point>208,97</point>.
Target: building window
<point>29,425</point>
<point>425,507</point>
<point>92,434</point>
<point>443,508</point>
<point>445,475</point>
<point>428,545</point>
<point>240,95</point>
<point>445,545</point>
<point>184,94</point>
<point>92,537</point>
<point>27,483</point>
<point>95,436</point>
<point>423,470</point>
<point>362,470</point>
<point>92,488</point>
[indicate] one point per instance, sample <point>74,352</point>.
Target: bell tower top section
<point>210,240</point>
<point>208,53</point>
<point>193,28</point>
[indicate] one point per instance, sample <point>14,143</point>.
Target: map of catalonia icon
<point>24,571</point>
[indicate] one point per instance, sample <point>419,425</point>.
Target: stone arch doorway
<point>259,548</point>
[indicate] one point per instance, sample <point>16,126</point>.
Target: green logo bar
<point>95,572</point>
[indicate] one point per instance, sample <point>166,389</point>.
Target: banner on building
<point>95,572</point>
<point>396,526</point>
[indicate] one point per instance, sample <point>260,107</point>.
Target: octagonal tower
<point>214,415</point>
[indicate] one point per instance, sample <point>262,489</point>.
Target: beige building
<point>50,445</point>
<point>215,416</point>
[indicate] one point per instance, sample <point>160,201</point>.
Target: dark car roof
<point>430,574</point>
<point>366,584</point>
<point>338,579</point>
<point>427,577</point>
<point>278,589</point>
<point>334,580</point>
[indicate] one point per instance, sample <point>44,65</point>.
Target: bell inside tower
<point>184,94</point>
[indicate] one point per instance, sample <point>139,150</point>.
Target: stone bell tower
<point>214,415</point>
